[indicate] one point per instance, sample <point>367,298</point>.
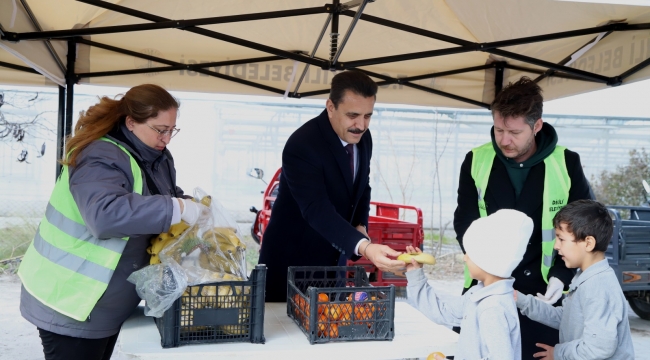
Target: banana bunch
<point>214,297</point>
<point>161,241</point>
<point>230,254</point>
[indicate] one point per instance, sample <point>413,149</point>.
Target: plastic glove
<point>193,211</point>
<point>553,291</point>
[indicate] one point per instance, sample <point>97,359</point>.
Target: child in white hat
<point>494,246</point>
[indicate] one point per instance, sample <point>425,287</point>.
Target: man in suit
<point>523,168</point>
<point>320,215</point>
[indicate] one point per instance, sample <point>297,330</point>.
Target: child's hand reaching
<point>414,264</point>
<point>547,354</point>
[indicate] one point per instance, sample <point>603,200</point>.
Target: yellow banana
<point>161,241</point>
<point>422,258</point>
<point>206,200</point>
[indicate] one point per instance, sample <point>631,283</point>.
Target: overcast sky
<point>627,100</point>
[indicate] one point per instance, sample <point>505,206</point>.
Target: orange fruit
<point>322,308</point>
<point>432,356</point>
<point>322,323</point>
<point>334,331</point>
<point>362,313</point>
<point>334,312</point>
<point>346,311</point>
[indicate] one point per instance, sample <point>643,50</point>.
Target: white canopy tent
<point>450,53</point>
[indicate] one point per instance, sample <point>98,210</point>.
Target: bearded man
<point>523,168</point>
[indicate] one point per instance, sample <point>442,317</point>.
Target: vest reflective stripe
<point>72,262</point>
<point>78,231</point>
<point>482,158</point>
<point>557,184</point>
<point>78,247</point>
<point>66,267</point>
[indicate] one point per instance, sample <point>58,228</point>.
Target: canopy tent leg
<point>498,77</point>
<point>64,128</point>
<point>313,53</point>
<point>60,135</point>
<point>349,32</point>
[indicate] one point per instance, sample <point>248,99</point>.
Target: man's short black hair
<point>353,80</point>
<point>586,218</point>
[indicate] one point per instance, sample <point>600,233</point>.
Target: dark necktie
<point>349,148</point>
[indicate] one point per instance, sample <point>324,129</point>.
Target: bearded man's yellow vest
<point>65,266</point>
<point>556,194</point>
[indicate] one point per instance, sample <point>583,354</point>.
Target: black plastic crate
<point>227,311</point>
<point>337,303</point>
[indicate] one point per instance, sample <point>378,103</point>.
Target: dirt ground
<point>19,339</point>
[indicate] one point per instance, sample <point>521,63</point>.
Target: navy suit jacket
<point>318,206</point>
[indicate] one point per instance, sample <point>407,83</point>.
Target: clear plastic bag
<point>210,250</point>
<point>159,285</point>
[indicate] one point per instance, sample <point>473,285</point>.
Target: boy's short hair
<point>586,218</point>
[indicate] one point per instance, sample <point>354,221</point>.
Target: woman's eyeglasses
<point>162,133</point>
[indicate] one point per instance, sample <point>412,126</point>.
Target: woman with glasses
<point>117,190</point>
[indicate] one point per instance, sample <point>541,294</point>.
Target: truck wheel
<point>254,234</point>
<point>641,307</point>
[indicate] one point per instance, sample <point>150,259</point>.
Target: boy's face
<point>474,271</point>
<point>573,252</point>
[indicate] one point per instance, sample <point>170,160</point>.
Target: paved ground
<point>19,339</point>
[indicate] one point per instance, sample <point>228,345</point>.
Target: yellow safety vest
<point>66,267</point>
<point>556,194</point>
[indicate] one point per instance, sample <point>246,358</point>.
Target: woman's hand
<point>192,211</point>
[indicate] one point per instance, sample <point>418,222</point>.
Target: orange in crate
<point>334,312</point>
<point>323,325</point>
<point>322,308</point>
<point>362,313</point>
<point>346,312</point>
<point>334,331</point>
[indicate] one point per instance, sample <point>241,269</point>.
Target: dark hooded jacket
<point>502,194</point>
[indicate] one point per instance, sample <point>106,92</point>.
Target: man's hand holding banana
<point>379,255</point>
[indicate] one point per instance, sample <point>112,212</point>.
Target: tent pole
<point>47,43</point>
<point>349,32</point>
<point>198,68</point>
<point>178,67</point>
<point>449,72</point>
<point>166,24</point>
<point>60,136</point>
<point>18,67</point>
<point>211,34</point>
<point>635,69</point>
<point>542,72</point>
<point>70,81</point>
<point>313,53</point>
<point>564,61</point>
<point>498,77</point>
<point>334,34</point>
